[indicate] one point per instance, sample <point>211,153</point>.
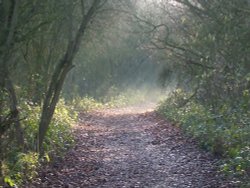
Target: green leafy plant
<point>19,167</point>
<point>23,168</point>
<point>226,133</point>
<point>86,104</point>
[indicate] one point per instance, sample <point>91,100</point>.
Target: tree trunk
<point>59,75</point>
<point>14,110</point>
<point>50,101</point>
<point>5,81</point>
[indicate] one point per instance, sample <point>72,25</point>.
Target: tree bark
<point>59,75</point>
<point>5,81</point>
<point>13,108</point>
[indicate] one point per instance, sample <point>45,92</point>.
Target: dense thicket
<point>40,43</point>
<point>207,43</point>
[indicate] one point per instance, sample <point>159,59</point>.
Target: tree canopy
<point>57,52</point>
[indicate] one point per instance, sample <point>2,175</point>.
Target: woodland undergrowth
<point>22,165</point>
<point>225,133</point>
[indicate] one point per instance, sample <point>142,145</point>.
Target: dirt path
<point>131,148</point>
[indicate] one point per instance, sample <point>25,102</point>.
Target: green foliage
<point>38,41</point>
<point>86,104</point>
<point>20,167</point>
<point>31,113</point>
<point>209,58</point>
<point>116,98</point>
<point>124,98</point>
<point>225,133</point>
<point>105,68</point>
<point>59,137</point>
<point>9,181</point>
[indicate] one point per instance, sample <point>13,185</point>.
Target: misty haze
<point>125,93</point>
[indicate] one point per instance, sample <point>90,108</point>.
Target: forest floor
<point>130,148</point>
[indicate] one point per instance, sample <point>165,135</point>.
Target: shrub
<point>226,133</point>
<point>17,166</point>
<point>86,104</point>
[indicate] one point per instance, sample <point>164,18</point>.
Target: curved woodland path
<point>130,148</point>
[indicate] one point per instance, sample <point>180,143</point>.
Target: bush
<point>226,133</point>
<point>17,166</point>
<point>59,137</point>
<point>132,97</point>
<point>115,99</point>
<point>86,104</point>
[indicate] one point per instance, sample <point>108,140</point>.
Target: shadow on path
<point>131,148</point>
